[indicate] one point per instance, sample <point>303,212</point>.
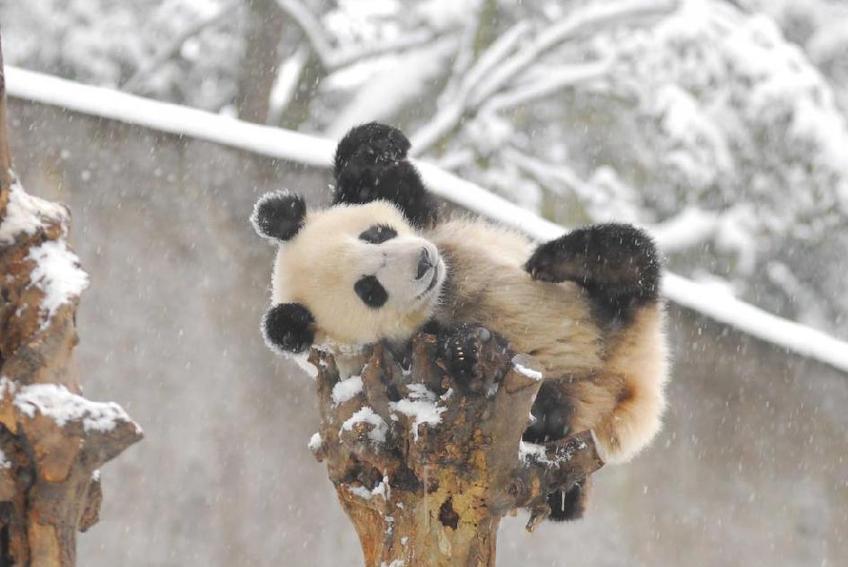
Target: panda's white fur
<point>614,377</point>
<point>320,265</point>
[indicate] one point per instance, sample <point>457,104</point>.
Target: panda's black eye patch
<point>378,234</point>
<point>371,291</point>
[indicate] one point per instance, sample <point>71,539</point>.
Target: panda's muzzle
<point>425,262</point>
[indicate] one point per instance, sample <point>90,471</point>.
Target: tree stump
<point>426,465</point>
<point>52,440</point>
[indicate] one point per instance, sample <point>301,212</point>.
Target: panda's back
<point>487,285</point>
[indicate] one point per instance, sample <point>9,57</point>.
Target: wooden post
<point>425,467</point>
<point>52,440</point>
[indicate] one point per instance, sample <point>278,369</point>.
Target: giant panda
<point>381,263</point>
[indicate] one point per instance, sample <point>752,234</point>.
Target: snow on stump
<point>52,440</point>
<point>425,465</point>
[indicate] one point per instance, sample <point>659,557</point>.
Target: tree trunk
<point>425,465</point>
<point>261,60</point>
<point>52,440</point>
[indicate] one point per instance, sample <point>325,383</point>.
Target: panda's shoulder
<point>474,234</point>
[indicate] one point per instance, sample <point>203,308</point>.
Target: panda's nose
<point>424,263</point>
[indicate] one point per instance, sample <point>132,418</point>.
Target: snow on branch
<point>580,23</point>
<point>567,76</point>
<point>464,56</point>
<point>558,178</point>
<point>311,28</point>
<point>454,105</point>
<point>62,406</point>
<point>691,227</point>
<point>494,55</point>
<point>25,214</point>
<point>56,269</point>
<point>168,51</point>
<point>58,274</point>
<point>407,41</point>
<point>332,58</point>
<point>506,60</point>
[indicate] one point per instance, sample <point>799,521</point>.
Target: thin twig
<point>333,58</point>
<point>570,76</point>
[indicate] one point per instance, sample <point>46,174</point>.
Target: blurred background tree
<point>720,124</point>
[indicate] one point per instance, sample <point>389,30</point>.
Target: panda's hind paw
<point>569,505</point>
<point>466,358</point>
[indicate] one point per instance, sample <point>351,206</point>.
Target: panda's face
<point>362,272</point>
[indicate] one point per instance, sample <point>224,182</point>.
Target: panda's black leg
<point>570,504</point>
<point>552,413</point>
<point>371,165</point>
<point>618,264</point>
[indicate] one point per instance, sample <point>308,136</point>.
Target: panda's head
<point>349,274</point>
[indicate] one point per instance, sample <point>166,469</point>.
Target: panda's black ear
<point>278,215</point>
<point>288,328</point>
<point>371,144</point>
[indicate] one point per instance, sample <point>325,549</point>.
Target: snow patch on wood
<point>367,415</point>
<point>25,214</point>
<point>301,359</point>
<point>421,406</point>
<point>346,389</point>
<point>529,372</point>
<point>62,406</point>
<point>315,442</point>
<point>58,274</point>
<point>382,490</point>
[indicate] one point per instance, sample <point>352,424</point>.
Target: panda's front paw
<point>461,350</point>
<point>551,262</point>
<point>458,348</point>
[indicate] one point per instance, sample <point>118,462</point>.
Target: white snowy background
<point>719,125</point>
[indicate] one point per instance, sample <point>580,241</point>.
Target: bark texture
<point>425,465</point>
<point>52,440</point>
